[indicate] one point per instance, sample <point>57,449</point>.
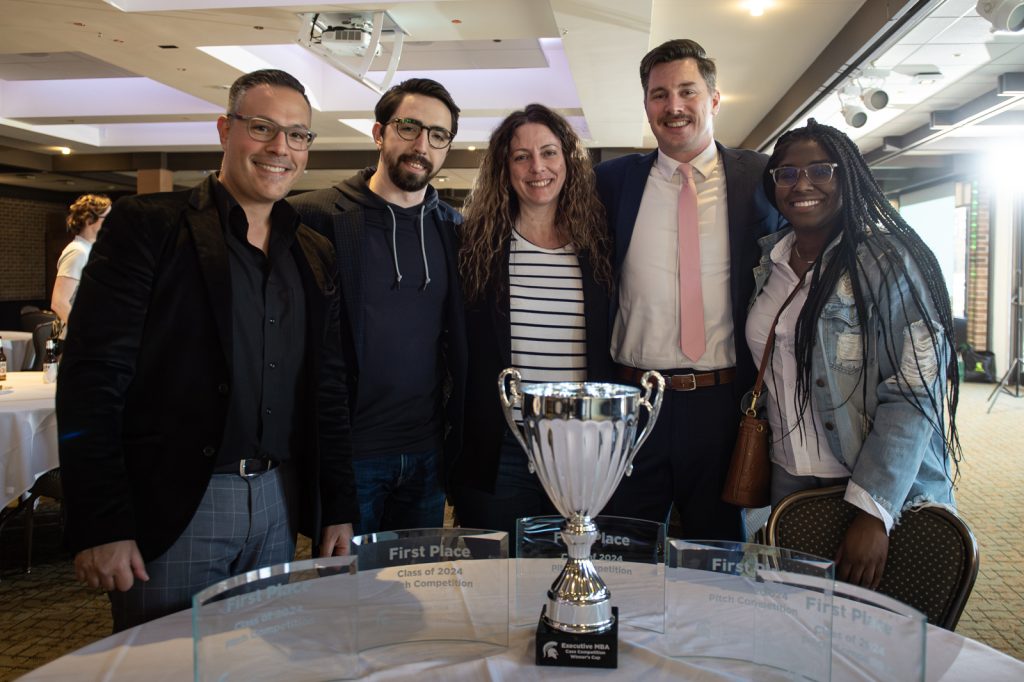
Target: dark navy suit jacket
<point>621,182</point>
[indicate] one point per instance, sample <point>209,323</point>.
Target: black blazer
<point>144,382</point>
<point>621,182</point>
<point>341,220</point>
<point>489,335</point>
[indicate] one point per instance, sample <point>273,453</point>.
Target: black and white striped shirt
<point>546,304</point>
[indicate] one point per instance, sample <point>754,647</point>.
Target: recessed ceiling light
<point>64,150</point>
<point>471,148</point>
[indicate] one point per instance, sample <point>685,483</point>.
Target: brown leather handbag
<point>749,481</point>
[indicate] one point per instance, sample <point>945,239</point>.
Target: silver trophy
<point>579,439</point>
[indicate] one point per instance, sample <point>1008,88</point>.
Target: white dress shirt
<point>646,329</point>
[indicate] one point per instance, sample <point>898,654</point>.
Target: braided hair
<point>867,219</point>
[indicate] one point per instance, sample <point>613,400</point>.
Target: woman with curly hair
<point>862,380</point>
<point>85,218</point>
<point>535,271</point>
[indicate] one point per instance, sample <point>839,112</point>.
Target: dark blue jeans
<point>399,491</point>
<point>517,493</point>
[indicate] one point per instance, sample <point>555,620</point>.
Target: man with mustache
<point>685,220</point>
<point>201,401</point>
<point>404,340</point>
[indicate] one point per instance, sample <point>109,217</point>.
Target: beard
<point>406,181</point>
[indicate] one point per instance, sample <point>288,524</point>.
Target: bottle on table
<point>3,361</point>
<point>50,362</point>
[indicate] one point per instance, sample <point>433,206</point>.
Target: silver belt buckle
<point>679,382</point>
<point>242,470</point>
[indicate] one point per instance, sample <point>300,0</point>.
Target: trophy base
<point>569,650</point>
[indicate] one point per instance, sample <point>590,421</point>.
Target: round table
<point>161,650</point>
<point>28,432</point>
<point>19,349</point>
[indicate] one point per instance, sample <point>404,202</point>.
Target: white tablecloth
<point>18,348</point>
<point>28,432</point>
<point>162,651</point>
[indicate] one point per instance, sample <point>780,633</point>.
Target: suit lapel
<point>204,224</point>
<point>633,184</point>
<point>739,199</point>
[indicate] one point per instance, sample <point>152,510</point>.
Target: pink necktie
<point>691,302</point>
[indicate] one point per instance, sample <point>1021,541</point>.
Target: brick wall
<point>23,245</point>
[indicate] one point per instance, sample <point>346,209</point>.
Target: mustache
<point>418,158</point>
<point>672,118</point>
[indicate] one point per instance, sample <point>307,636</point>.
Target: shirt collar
<point>284,219</point>
<point>704,163</point>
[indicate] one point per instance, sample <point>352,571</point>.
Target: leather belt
<point>247,468</point>
<point>682,380</point>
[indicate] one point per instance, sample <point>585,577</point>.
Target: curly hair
<point>87,209</point>
<point>867,219</point>
<point>492,207</point>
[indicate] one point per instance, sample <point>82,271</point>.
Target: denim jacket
<point>891,449</point>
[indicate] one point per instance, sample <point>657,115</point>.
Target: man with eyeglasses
<point>201,400</point>
<point>405,339</point>
<point>685,220</point>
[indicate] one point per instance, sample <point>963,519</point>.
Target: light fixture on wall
<point>1004,15</point>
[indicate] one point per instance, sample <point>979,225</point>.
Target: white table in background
<point>28,432</point>
<point>19,349</point>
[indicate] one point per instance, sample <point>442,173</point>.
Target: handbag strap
<point>769,346</point>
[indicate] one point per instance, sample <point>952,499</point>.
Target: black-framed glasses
<point>409,129</point>
<point>262,129</point>
<point>817,174</point>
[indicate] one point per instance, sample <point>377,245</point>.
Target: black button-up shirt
<point>268,323</point>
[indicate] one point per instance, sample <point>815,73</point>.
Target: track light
<point>1004,15</point>
<point>874,99</point>
<point>854,115</point>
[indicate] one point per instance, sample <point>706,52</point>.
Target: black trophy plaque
<point>571,650</point>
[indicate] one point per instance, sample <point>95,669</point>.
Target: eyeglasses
<point>261,129</point>
<point>817,174</point>
<point>409,129</point>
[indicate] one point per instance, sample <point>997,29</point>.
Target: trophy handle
<point>651,380</point>
<point>508,392</point>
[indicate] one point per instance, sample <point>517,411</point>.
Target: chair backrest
<point>39,336</point>
<point>933,555</point>
<point>33,318</point>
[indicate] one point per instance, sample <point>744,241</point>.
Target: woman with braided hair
<point>862,382</point>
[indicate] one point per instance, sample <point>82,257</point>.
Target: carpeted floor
<point>45,614</point>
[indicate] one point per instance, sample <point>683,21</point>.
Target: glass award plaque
<point>294,621</point>
<point>875,637</point>
<point>432,584</point>
<point>768,606</point>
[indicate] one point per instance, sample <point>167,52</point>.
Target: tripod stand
<point>1016,336</point>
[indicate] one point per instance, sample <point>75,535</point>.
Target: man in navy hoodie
<point>404,339</point>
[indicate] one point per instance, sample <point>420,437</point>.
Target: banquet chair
<point>40,334</point>
<point>47,485</point>
<point>33,318</point>
<point>933,555</point>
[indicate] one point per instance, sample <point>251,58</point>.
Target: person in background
<point>536,277</point>
<point>85,218</point>
<point>685,220</point>
<point>404,335</point>
<point>857,383</point>
<point>201,399</point>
